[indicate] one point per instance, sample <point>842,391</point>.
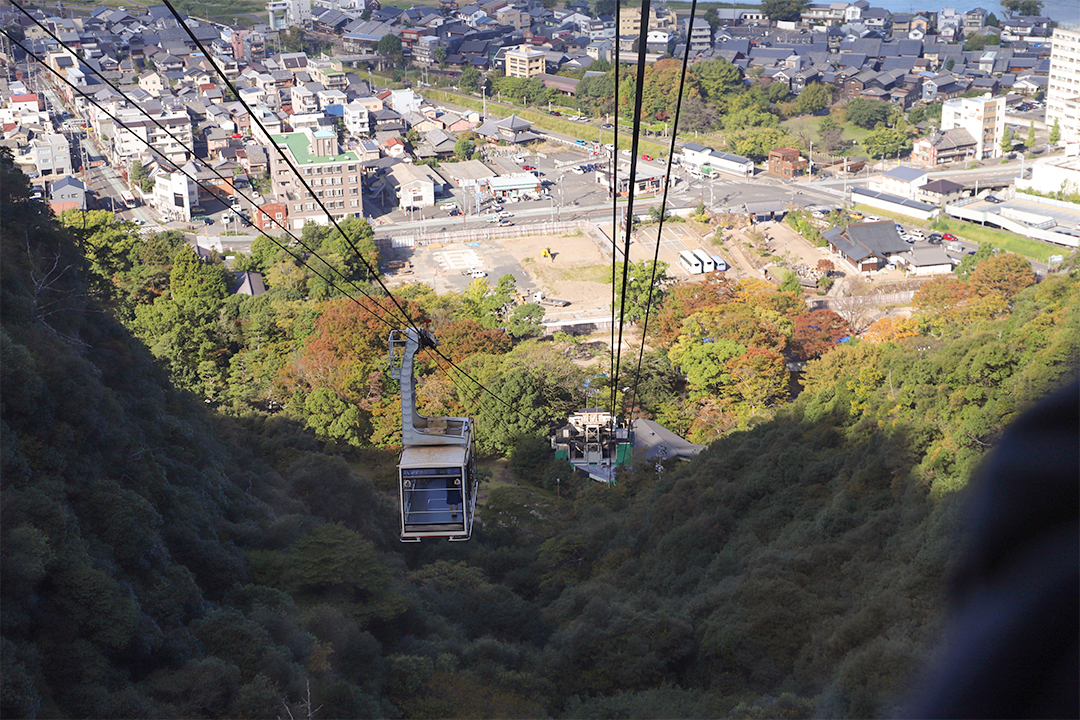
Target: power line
<point>646,7</point>
<point>663,203</point>
<point>267,235</point>
<point>196,181</point>
<point>168,132</point>
<point>285,156</point>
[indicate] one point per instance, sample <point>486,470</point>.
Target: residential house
<point>940,192</point>
<point>944,147</point>
<point>271,217</point>
<point>866,246</point>
<point>248,282</point>
<point>511,129</point>
<point>416,186</point>
<point>900,181</point>
<point>786,162</point>
<point>67,194</point>
<point>924,260</point>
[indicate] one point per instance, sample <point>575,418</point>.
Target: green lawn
<point>1002,239</point>
<point>542,119</point>
<point>808,124</point>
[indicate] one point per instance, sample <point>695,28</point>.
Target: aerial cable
<point>472,379</point>
<point>613,185</point>
<point>168,132</point>
<point>299,241</point>
<point>284,156</point>
<point>663,204</point>
<point>193,179</point>
<point>639,89</point>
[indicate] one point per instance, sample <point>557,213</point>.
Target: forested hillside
<point>196,518</point>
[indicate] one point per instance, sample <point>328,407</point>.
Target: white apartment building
<point>525,62</point>
<point>357,119</point>
<point>133,130</point>
<point>52,155</point>
<point>284,13</point>
<point>175,194</point>
<point>1063,87</point>
<point>982,117</point>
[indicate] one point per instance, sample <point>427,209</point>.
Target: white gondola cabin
<point>436,473</point>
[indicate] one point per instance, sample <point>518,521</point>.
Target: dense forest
<point>197,517</point>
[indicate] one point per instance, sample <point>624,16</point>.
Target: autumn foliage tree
<point>816,332</point>
<point>684,299</point>
<point>1006,274</point>
<point>349,340</point>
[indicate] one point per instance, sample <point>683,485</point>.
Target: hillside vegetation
<point>196,518</point>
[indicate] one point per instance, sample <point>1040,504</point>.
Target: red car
<point>948,237</point>
<point>646,157</point>
<point>527,167</point>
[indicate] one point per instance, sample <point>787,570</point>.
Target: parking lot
<point>676,237</point>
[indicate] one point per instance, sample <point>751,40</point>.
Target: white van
<point>690,262</point>
<point>707,264</point>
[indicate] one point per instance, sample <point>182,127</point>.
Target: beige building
<point>1063,87</point>
<point>659,19</point>
<point>333,175</point>
<point>525,62</point>
<point>982,117</point>
<point>133,130</point>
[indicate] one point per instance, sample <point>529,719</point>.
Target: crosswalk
<point>457,259</point>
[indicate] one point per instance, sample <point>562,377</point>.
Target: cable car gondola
<point>436,473</point>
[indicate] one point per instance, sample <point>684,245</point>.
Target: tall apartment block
<point>1063,88</point>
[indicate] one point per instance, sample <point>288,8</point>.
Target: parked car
<point>528,168</point>
<point>949,237</point>
<point>477,274</point>
<point>934,239</point>
<point>993,199</point>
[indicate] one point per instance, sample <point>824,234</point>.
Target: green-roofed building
<point>333,175</point>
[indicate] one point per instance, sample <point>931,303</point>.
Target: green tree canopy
<point>784,10</point>
<point>389,45</point>
<point>866,113</point>
<point>193,278</point>
<point>814,97</point>
<point>717,78</point>
<point>1023,7</point>
<point>640,278</point>
<point>886,142</point>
